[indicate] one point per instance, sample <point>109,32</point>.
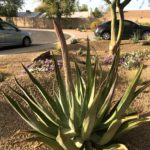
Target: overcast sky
<point>134,4</point>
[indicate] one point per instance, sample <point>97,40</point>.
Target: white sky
<point>134,4</point>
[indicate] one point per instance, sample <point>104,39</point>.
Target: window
<point>1,27</point>
<point>8,27</point>
<point>127,24</point>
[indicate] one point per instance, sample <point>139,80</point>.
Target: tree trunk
<point>121,23</point>
<point>113,27</point>
<point>116,35</point>
<point>65,57</point>
<point>121,27</point>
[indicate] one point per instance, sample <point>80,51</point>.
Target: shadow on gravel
<point>139,138</point>
<point>17,47</point>
<point>10,122</point>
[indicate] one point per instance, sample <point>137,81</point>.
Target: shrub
<point>58,47</point>
<point>136,37</point>
<point>74,41</point>
<point>147,42</point>
<point>130,60</point>
<point>43,66</point>
<point>94,24</point>
<point>2,78</point>
<point>97,13</point>
<point>81,118</point>
<point>82,28</point>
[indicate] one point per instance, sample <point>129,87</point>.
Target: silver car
<point>11,35</point>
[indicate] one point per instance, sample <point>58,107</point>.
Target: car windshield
<point>7,26</point>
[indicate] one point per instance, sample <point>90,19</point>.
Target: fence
<point>44,23</point>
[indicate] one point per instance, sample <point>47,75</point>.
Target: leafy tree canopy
<point>41,8</point>
<point>9,8</point>
<point>58,8</point>
<point>97,13</point>
<point>83,7</point>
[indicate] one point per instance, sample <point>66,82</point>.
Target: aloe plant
<point>82,118</point>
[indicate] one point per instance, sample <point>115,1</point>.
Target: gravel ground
<point>10,123</point>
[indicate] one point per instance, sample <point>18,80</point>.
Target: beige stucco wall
<point>141,16</point>
<point>67,23</point>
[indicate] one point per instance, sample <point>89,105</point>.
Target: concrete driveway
<point>41,40</point>
<point>44,39</point>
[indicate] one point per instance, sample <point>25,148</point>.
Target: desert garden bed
<point>10,123</point>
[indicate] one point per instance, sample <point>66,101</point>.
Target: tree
<point>97,13</point>
<point>42,8</point>
<point>9,8</point>
<point>116,35</point>
<point>59,7</point>
<point>83,7</point>
<point>56,9</point>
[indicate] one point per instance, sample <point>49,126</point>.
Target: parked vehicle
<point>130,28</point>
<point>10,35</point>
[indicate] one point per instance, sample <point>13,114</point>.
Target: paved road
<point>41,40</point>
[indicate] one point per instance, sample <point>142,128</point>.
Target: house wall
<point>44,23</point>
<point>140,16</point>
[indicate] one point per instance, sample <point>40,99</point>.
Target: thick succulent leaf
<point>78,106</point>
<point>106,85</point>
<point>112,110</point>
<point>110,133</point>
<point>136,93</point>
<point>56,108</point>
<point>127,98</point>
<point>48,141</point>
<point>78,142</point>
<point>36,136</point>
<point>129,118</point>
<point>90,119</point>
<point>84,105</point>
<point>28,118</point>
<point>89,146</point>
<point>110,77</point>
<point>47,118</point>
<point>116,147</point>
<point>65,101</point>
<point>90,116</point>
<point>99,71</point>
<point>92,93</point>
<point>88,123</point>
<point>90,80</point>
<point>141,89</point>
<point>73,120</point>
<point>34,103</point>
<point>89,98</point>
<point>129,125</point>
<point>129,94</point>
<point>65,142</point>
<point>80,85</point>
<point>88,62</point>
<point>107,104</point>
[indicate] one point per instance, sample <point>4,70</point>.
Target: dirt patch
<point>10,123</point>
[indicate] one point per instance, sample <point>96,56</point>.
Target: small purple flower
<point>108,60</point>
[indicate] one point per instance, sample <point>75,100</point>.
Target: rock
<point>43,56</point>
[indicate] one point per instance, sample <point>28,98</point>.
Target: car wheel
<point>106,36</point>
<point>146,35</point>
<point>26,42</point>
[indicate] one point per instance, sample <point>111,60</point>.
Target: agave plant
<point>82,118</point>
